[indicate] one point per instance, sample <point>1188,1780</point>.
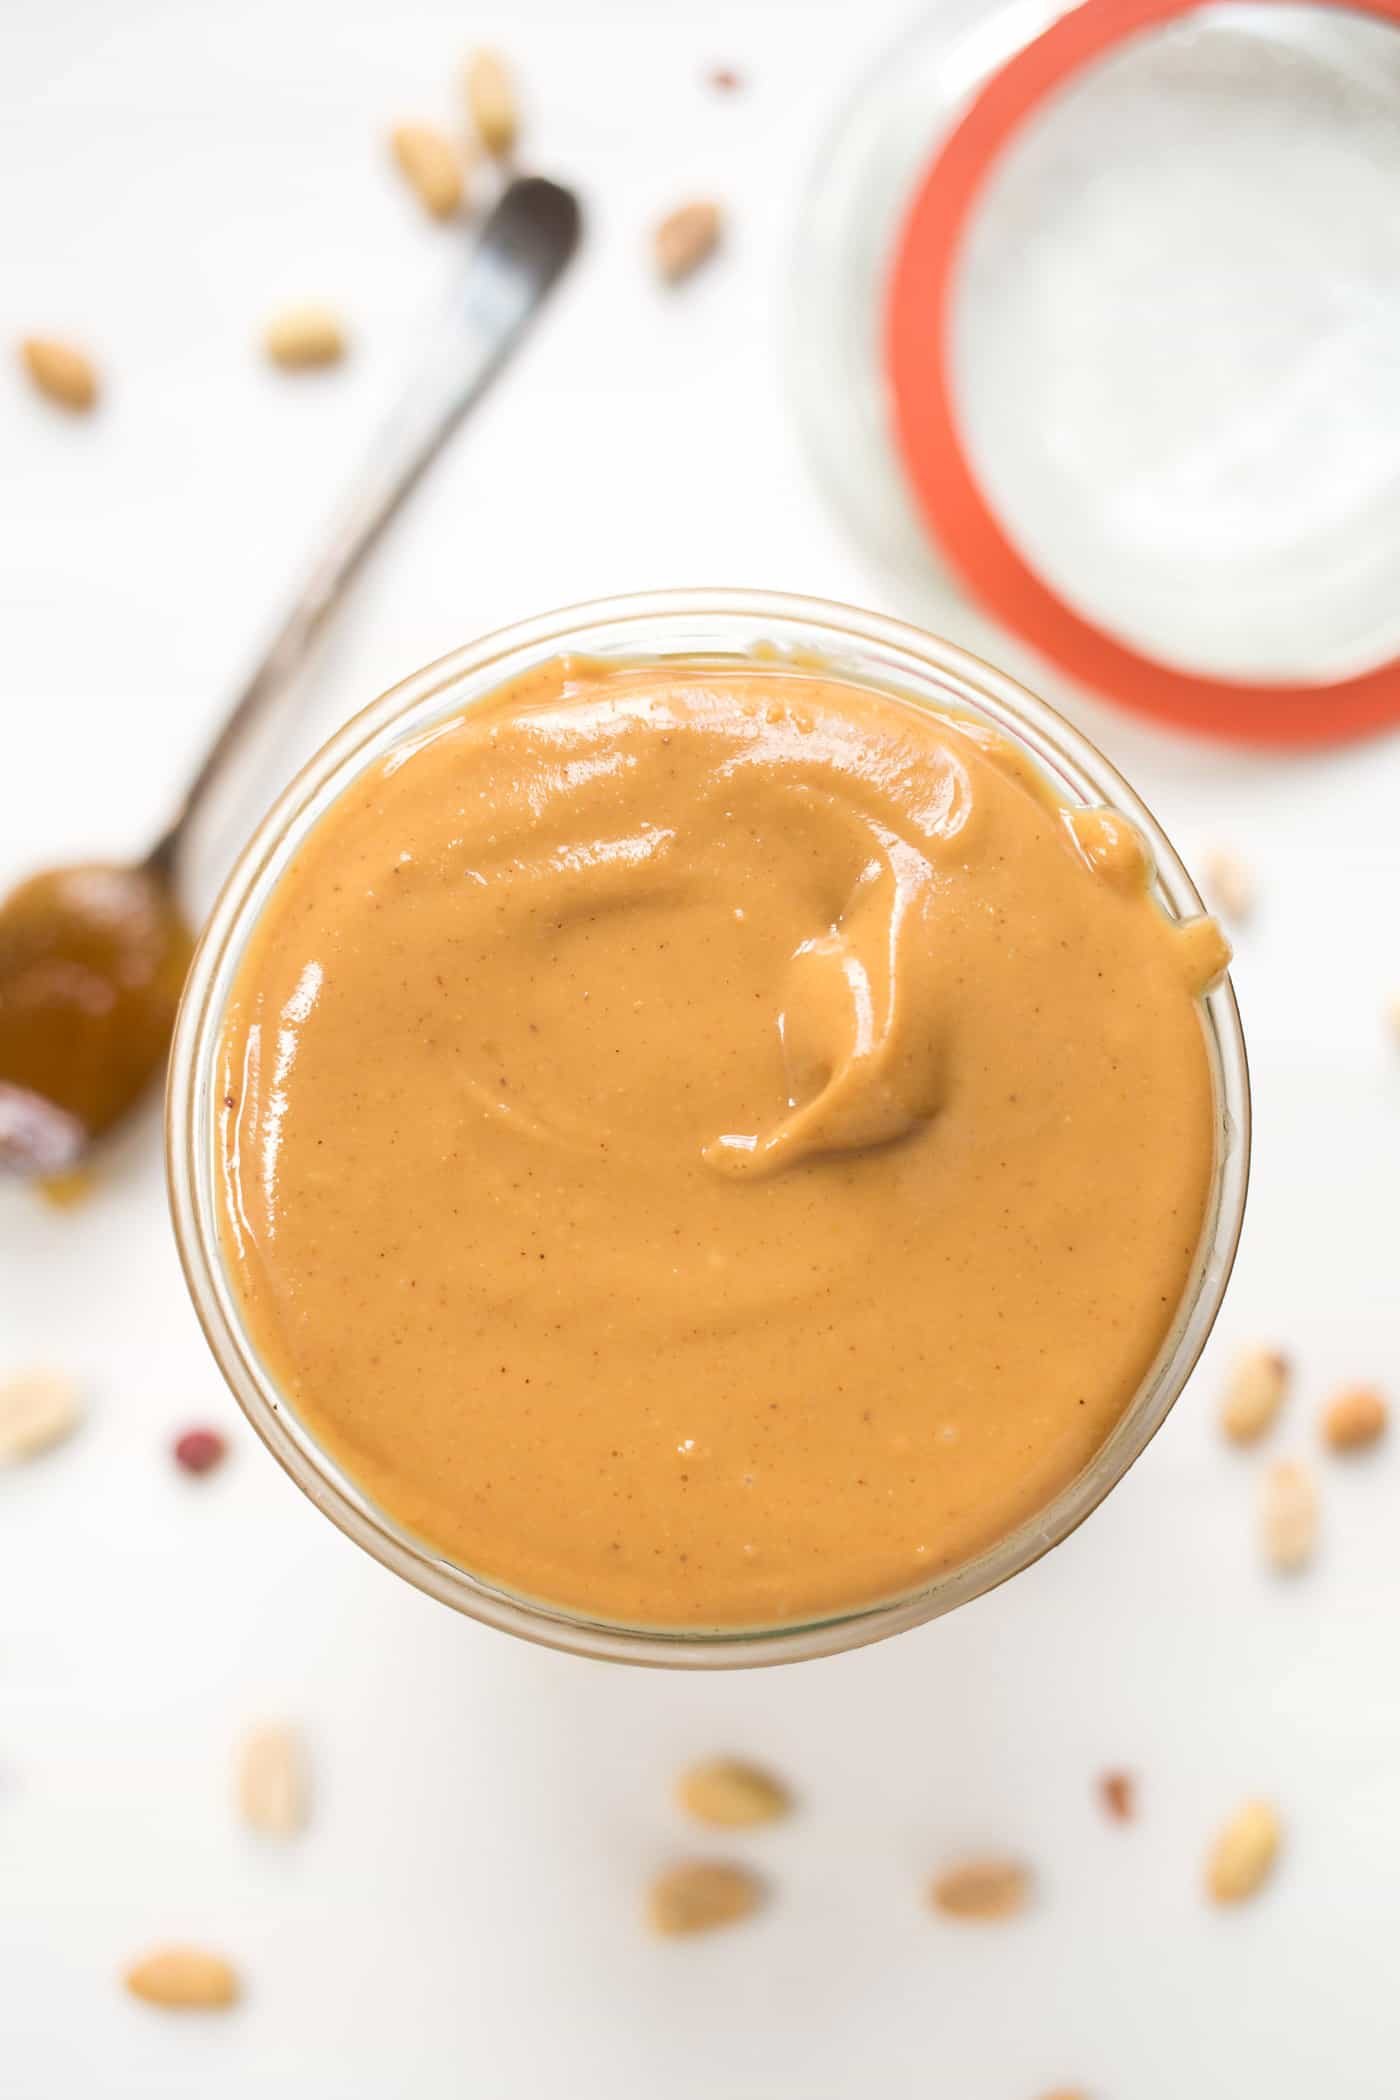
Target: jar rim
<point>787,632</point>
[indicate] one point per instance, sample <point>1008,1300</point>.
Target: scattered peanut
<point>1118,1793</point>
<point>38,1409</point>
<point>1354,1418</point>
<point>982,1889</point>
<point>725,80</point>
<point>1230,885</point>
<point>1254,1394</point>
<point>702,1894</point>
<point>733,1795</point>
<point>184,1979</point>
<point>1066,2092</point>
<point>684,239</point>
<point>1243,1853</point>
<point>1392,1014</point>
<point>491,100</point>
<point>272,1784</point>
<point>1290,1518</point>
<point>61,371</point>
<point>431,164</point>
<point>69,1190</point>
<point>199,1450</point>
<point>300,338</point>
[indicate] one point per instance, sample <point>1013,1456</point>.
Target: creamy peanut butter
<point>711,1147</point>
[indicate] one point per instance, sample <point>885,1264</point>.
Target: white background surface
<point>463,1916</point>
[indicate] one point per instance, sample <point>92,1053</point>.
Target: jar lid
<point>1108,299</point>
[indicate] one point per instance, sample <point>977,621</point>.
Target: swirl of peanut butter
<point>709,1145</point>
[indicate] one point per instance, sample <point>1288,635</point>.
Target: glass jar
<point>716,628</point>
<point>1092,322</point>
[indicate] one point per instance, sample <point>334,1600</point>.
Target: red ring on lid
<point>917,333</point>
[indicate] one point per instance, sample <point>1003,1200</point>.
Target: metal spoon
<point>93,957</point>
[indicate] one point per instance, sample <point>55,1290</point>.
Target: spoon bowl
<point>92,961</point>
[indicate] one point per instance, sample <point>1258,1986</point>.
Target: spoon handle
<point>524,246</point>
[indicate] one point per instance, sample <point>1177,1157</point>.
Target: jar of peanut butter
<point>708,1129</point>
